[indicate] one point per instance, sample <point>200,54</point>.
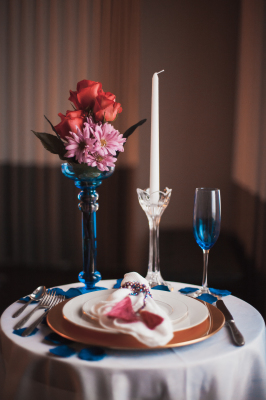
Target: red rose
<point>105,107</point>
<point>84,97</point>
<point>108,95</point>
<point>69,123</point>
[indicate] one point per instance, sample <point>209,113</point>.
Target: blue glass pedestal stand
<point>87,179</point>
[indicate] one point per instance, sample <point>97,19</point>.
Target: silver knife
<point>229,321</point>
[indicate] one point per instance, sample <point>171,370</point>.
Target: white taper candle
<point>154,150</point>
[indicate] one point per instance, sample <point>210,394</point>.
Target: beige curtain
<point>250,140</point>
<point>47,46</point>
<point>249,168</point>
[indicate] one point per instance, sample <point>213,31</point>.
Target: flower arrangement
<point>85,136</point>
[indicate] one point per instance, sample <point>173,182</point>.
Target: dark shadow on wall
<point>40,239</point>
<point>181,260</point>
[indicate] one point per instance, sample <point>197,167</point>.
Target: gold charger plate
<point>120,341</point>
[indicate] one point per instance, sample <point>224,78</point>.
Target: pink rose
<point>69,122</point>
<point>84,97</point>
<point>105,107</point>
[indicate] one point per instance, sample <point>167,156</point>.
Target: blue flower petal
<point>57,339</point>
<point>92,354</point>
<point>63,351</point>
<point>188,290</point>
<point>21,330</point>
<point>117,285</point>
<point>220,292</point>
<point>162,287</point>
<point>208,298</point>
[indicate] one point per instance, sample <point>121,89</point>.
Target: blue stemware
<point>206,225</point>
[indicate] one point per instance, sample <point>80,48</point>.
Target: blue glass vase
<point>88,179</point>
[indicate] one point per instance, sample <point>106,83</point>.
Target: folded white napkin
<point>148,323</point>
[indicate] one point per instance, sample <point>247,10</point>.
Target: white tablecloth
<point>214,369</point>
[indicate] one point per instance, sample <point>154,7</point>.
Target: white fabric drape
<point>214,369</point>
<point>47,46</point>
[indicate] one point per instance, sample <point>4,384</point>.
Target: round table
<point>214,369</point>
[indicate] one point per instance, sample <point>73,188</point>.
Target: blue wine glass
<point>206,225</point>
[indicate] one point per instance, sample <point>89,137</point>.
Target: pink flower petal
<point>123,310</point>
<point>151,320</point>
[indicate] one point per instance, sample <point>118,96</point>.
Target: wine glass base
<point>201,291</point>
<point>155,279</point>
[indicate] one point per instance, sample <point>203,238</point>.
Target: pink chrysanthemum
<point>109,140</point>
<point>91,124</point>
<point>101,162</point>
<point>79,144</point>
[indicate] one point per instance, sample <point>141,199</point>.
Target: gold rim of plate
<point>119,341</point>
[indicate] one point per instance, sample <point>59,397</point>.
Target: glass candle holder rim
<point>164,192</point>
<point>209,189</point>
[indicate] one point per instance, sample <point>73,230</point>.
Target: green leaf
<point>51,143</point>
<point>53,128</point>
<point>130,130</point>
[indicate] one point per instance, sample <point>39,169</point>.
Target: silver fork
<point>56,300</point>
<point>44,303</point>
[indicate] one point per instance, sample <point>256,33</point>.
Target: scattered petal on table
<point>26,299</point>
<point>63,351</point>
<point>188,290</point>
<point>21,330</point>
<point>220,292</point>
<point>57,339</point>
<point>208,298</point>
<point>73,292</point>
<point>117,285</point>
<point>162,287</point>
<point>92,354</point>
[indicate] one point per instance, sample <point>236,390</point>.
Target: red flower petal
<point>123,310</point>
<point>151,320</point>
<point>69,123</point>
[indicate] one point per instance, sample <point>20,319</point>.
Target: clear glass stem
<point>154,257</point>
<point>154,276</point>
<point>154,211</point>
<point>205,271</point>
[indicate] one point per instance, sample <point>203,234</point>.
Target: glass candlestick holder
<point>154,206</point>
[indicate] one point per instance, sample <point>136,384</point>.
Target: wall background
<point>212,133</point>
<point>197,46</point>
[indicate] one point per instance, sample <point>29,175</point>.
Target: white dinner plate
<point>196,312</point>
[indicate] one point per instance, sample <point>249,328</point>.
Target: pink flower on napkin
<point>151,320</point>
<point>123,310</point>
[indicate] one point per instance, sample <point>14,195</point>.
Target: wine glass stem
<point>205,269</point>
